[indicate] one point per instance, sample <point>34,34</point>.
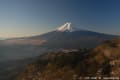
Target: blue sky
<point>32,17</point>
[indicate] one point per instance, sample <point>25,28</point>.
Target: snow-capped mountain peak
<point>66,27</point>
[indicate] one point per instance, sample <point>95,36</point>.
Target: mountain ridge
<point>64,37</point>
<point>99,62</point>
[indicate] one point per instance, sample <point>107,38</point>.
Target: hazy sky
<point>30,17</point>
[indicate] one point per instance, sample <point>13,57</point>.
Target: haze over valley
<point>59,39</point>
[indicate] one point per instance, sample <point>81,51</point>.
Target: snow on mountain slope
<point>66,27</point>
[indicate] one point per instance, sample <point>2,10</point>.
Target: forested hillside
<point>71,65</point>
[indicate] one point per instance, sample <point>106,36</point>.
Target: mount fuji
<point>65,36</point>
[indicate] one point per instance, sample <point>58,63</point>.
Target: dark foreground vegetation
<point>72,65</point>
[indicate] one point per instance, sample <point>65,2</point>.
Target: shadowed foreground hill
<point>101,61</point>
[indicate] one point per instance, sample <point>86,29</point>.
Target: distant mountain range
<point>66,36</point>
